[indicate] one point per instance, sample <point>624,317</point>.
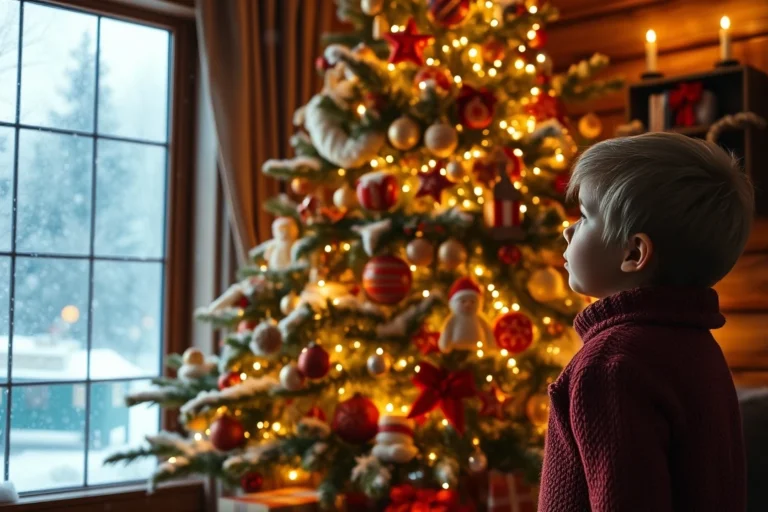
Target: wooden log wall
<point>687,32</point>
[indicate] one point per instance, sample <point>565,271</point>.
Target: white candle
<point>725,38</point>
<point>650,51</point>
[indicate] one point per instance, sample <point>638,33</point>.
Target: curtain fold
<point>258,58</point>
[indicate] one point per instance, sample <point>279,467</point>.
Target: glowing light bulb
<point>339,367</point>
<point>519,64</point>
<point>546,320</point>
<point>531,34</point>
<point>480,353</point>
<point>374,163</point>
<point>523,208</point>
<point>511,362</point>
<point>650,36</point>
<point>339,348</point>
<point>356,344</point>
<point>380,351</point>
<point>276,426</point>
<point>432,456</point>
<point>530,68</point>
<point>390,407</point>
<point>725,23</point>
<point>361,109</point>
<point>446,485</point>
<point>243,376</point>
<point>198,437</point>
<point>489,378</point>
<point>473,52</point>
<point>341,391</point>
<point>533,9</point>
<point>417,369</point>
<point>293,475</point>
<point>535,91</point>
<point>321,283</point>
<point>492,72</point>
<point>515,307</point>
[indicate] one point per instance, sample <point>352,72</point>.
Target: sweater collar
<point>687,307</point>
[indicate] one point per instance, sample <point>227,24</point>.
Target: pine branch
<point>281,206</point>
<point>134,454</point>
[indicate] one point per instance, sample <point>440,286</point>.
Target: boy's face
<point>594,269</point>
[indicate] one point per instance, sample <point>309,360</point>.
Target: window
<point>85,148</point>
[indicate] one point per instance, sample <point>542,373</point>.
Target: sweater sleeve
<point>622,439</point>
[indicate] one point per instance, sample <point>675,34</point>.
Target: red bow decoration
<point>682,101</point>
<point>426,341</point>
<point>439,387</point>
<point>406,498</point>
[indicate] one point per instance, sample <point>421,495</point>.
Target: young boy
<point>645,417</point>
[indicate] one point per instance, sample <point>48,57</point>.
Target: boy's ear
<point>637,255</point>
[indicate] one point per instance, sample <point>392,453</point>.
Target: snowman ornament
<point>277,252</point>
<point>466,325</point>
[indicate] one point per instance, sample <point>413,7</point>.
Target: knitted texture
<point>645,417</point>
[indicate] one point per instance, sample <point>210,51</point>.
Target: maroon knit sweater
<point>645,416</point>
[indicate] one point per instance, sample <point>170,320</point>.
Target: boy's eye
<point>582,215</point>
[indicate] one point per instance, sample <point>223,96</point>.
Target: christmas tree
<point>402,325</point>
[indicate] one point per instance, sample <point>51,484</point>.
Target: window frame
<point>179,232</point>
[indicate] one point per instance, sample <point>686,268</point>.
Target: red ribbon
<point>682,101</point>
<point>445,389</point>
<point>406,498</point>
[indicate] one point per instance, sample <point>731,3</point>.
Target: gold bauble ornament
<point>590,126</point>
<point>288,303</point>
<point>345,197</point>
<point>452,254</point>
<point>441,139</point>
<point>291,378</point>
<point>420,252</point>
<point>196,424</point>
<point>193,356</point>
<point>546,285</point>
<point>404,133</point>
<point>537,409</point>
<point>301,186</point>
<point>455,171</point>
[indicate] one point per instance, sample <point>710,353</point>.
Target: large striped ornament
<point>386,279</point>
<point>448,13</point>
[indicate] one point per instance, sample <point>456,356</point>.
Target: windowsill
<point>181,497</point>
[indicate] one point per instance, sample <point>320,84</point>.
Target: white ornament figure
<point>466,325</point>
<point>394,442</point>
<point>277,251</point>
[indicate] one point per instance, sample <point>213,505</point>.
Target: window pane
<point>127,307</point>
<point>47,436</point>
<point>133,81</point>
<point>3,419</point>
<point>9,55</point>
<point>7,142</point>
<point>130,199</point>
<point>5,311</point>
<point>115,427</point>
<point>50,319</point>
<point>54,196</point>
<point>58,68</point>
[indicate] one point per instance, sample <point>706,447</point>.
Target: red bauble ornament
<point>433,183</point>
<point>356,420</point>
<point>493,49</point>
<point>243,302</point>
<point>322,64</point>
<point>378,191</point>
<point>447,13</point>
<point>513,332</point>
<point>555,329</point>
<point>314,362</point>
<point>560,183</point>
<point>440,76</point>
<point>229,379</point>
<point>545,107</point>
<point>309,208</point>
<point>539,40</point>
<point>317,413</point>
<point>246,325</point>
<point>407,45</point>
<point>386,279</point>
<point>510,255</point>
<point>475,107</point>
<point>252,481</point>
<point>227,433</point>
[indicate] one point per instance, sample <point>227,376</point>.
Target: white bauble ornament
<point>546,285</point>
<point>420,252</point>
<point>478,462</point>
<point>266,339</point>
<point>345,197</point>
<point>288,303</point>
<point>371,7</point>
<point>291,378</point>
<point>441,139</point>
<point>378,365</point>
<point>451,254</point>
<point>455,172</point>
<point>590,126</point>
<point>193,356</point>
<point>404,133</point>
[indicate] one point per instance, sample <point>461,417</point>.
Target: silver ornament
<point>420,252</point>
<point>378,365</point>
<point>455,172</point>
<point>452,254</point>
<point>478,462</point>
<point>404,133</point>
<point>291,378</point>
<point>266,339</point>
<point>441,139</point>
<point>288,303</point>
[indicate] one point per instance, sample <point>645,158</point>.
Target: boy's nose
<point>568,233</point>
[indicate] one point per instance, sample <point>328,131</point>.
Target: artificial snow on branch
<point>297,167</point>
<point>210,399</point>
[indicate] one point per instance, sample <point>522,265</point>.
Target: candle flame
<point>725,23</point>
<point>650,36</point>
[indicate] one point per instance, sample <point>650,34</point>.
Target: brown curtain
<point>258,58</point>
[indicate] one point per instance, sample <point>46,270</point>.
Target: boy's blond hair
<point>688,195</point>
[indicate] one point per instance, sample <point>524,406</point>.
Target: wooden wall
<point>687,33</point>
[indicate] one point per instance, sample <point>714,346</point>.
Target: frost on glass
<point>54,193</point>
<point>130,199</point>
<point>50,319</point>
<point>9,53</point>
<point>115,427</point>
<point>127,309</point>
<point>7,143</point>
<point>47,436</point>
<point>133,86</point>
<point>58,68</point>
